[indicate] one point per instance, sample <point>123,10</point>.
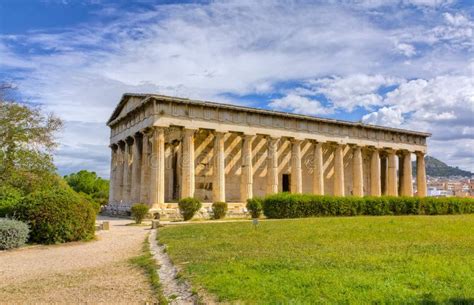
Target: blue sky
<point>400,63</point>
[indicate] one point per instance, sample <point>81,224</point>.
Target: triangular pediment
<point>128,102</point>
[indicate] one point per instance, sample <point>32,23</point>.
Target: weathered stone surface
<point>166,148</point>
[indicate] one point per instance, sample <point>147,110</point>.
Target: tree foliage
<point>89,183</point>
<point>27,138</point>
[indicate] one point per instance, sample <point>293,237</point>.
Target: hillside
<point>437,168</point>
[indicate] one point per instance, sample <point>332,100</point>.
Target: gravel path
<point>178,292</point>
<point>82,272</point>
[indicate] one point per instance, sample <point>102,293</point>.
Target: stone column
<point>126,173</point>
<point>218,187</point>
<point>246,186</point>
<point>384,174</point>
<point>392,189</point>
<point>145,169</point>
<point>339,171</point>
<point>272,165</point>
<point>296,174</point>
<point>406,183</point>
<point>157,179</point>
<point>318,170</point>
<point>375,178</point>
<point>119,174</point>
<point>136,169</point>
<point>421,174</point>
<point>169,174</point>
<point>357,173</point>
<point>187,176</point>
<point>113,172</point>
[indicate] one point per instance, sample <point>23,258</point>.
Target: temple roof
<point>147,97</point>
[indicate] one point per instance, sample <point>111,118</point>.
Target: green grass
<point>147,263</point>
<point>345,260</point>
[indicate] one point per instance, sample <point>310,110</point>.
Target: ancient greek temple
<point>166,148</point>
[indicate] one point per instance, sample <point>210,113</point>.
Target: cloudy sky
<point>399,63</point>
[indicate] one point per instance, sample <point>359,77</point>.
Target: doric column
<point>119,174</point>
<point>357,173</point>
<point>406,186</point>
<point>318,170</point>
<point>145,170</point>
<point>392,189</point>
<point>113,172</point>
<point>246,186</point>
<point>136,168</point>
<point>169,174</point>
<point>126,173</point>
<point>339,171</point>
<point>375,179</point>
<point>272,165</point>
<point>187,177</point>
<point>296,174</point>
<point>384,174</point>
<point>421,174</point>
<point>157,179</point>
<point>218,187</point>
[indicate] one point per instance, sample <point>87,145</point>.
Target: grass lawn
<point>386,259</point>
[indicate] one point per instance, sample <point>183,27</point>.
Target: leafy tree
<point>27,139</point>
<point>89,183</point>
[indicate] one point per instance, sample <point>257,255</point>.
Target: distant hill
<point>437,168</point>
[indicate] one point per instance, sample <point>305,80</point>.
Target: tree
<point>90,184</point>
<point>27,139</point>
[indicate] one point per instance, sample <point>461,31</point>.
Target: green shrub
<point>219,209</point>
<point>188,207</point>
<point>286,205</point>
<point>9,197</point>
<point>13,233</point>
<point>254,206</point>
<point>139,212</point>
<point>90,200</point>
<point>56,215</point>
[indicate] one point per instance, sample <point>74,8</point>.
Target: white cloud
<point>355,90</point>
<point>246,47</point>
<point>443,106</point>
<point>299,104</point>
<point>406,49</point>
<point>386,116</point>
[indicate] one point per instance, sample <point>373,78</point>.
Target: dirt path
<point>89,272</point>
<point>178,292</point>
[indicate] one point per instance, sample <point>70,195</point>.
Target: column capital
<point>390,151</point>
<point>146,131</point>
<point>420,153</point>
<point>296,140</point>
<point>272,139</point>
<point>404,152</point>
<point>189,131</point>
<point>335,144</point>
<point>356,146</point>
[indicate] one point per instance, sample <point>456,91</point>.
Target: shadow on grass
<point>452,301</point>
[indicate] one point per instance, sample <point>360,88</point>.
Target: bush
<point>139,212</point>
<point>188,207</point>
<point>13,233</point>
<point>90,200</point>
<point>254,206</point>
<point>286,205</point>
<point>9,197</point>
<point>57,215</point>
<point>219,209</point>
